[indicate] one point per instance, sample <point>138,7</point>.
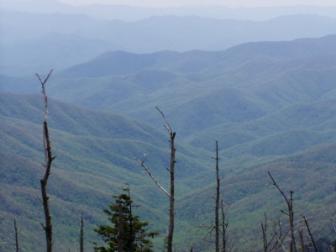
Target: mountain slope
<point>249,194</point>
<point>96,155</point>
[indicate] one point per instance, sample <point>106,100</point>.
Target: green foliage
<point>126,231</point>
<point>270,105</point>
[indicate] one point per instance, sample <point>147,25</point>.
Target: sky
<point>238,3</point>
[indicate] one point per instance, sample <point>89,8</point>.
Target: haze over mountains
<point>136,12</point>
<point>59,39</point>
<point>265,89</point>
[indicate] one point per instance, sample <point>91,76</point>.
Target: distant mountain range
<point>38,41</point>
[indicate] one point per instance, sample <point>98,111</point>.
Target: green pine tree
<point>126,232</point>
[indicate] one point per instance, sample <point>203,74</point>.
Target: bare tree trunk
<point>302,241</point>
<point>291,222</point>
<point>170,236</point>
<point>81,235</point>
<point>290,213</point>
<point>264,226</point>
<point>48,161</point>
<point>17,247</point>
<point>217,200</point>
<point>171,170</point>
<point>172,162</point>
<point>224,228</point>
<point>310,233</point>
<point>130,218</point>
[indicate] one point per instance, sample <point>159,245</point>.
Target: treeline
<point>126,232</point>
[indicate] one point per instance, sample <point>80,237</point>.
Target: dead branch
<point>149,173</point>
<point>171,170</point>
<point>264,228</point>
<point>302,241</point>
<point>48,161</point>
<point>290,213</point>
<point>310,233</point>
<point>166,123</point>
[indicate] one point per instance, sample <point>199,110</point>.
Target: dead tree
<point>171,170</point>
<point>272,238</point>
<point>81,235</point>
<point>47,226</point>
<point>16,234</point>
<point>264,230</point>
<point>225,226</point>
<point>302,245</point>
<point>310,233</point>
<point>217,200</point>
<point>289,213</point>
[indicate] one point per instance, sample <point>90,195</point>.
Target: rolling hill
<point>271,105</point>
<point>96,155</point>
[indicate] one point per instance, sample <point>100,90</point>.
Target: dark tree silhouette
<point>16,234</point>
<point>289,213</point>
<point>310,233</point>
<point>81,235</point>
<point>48,161</point>
<point>171,170</point>
<point>217,246</point>
<point>126,232</point>
<point>225,226</point>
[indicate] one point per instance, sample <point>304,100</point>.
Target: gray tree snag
<point>171,169</point>
<point>310,233</point>
<point>302,245</point>
<point>16,234</point>
<point>289,213</point>
<point>272,238</point>
<point>217,201</point>
<point>47,226</point>
<point>225,226</point>
<point>81,235</point>
<point>264,229</point>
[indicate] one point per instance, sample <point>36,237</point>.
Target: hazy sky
<point>246,3</point>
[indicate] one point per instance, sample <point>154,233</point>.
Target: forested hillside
<point>271,106</point>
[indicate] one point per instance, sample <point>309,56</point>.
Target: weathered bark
<point>171,170</point>
<point>302,241</point>
<point>264,226</point>
<point>81,235</point>
<point>172,162</point>
<point>289,213</point>
<point>130,217</point>
<point>170,236</point>
<point>217,201</point>
<point>16,234</point>
<point>224,228</point>
<point>48,161</point>
<point>157,183</point>
<point>310,233</point>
